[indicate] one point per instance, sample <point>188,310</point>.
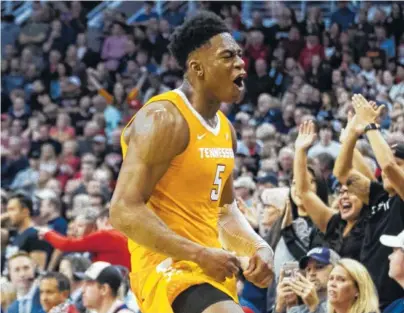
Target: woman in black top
<point>343,229</point>
<point>345,234</point>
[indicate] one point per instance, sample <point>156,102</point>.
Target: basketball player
<point>174,197</point>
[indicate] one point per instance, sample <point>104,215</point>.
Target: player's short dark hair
<point>62,281</point>
<point>24,200</point>
<point>194,33</point>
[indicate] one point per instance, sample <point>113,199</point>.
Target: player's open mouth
<point>239,82</point>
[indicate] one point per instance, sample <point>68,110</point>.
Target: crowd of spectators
<point>64,105</point>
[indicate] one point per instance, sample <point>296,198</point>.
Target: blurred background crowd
<point>69,88</point>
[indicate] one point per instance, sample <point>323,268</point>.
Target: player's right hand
<point>218,263</point>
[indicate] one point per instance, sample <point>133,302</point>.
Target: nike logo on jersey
<point>199,137</point>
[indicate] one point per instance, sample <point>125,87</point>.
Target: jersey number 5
<point>217,184</point>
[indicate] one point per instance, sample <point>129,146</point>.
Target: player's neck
<point>206,107</point>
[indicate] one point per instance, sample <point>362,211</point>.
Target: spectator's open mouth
<point>346,206</point>
<point>332,293</point>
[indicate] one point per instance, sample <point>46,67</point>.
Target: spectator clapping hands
<point>367,112</point>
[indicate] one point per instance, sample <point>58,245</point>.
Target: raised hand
<point>352,127</point>
<point>306,136</point>
<point>367,112</point>
<point>345,131</point>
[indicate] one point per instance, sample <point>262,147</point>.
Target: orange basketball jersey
<point>187,199</point>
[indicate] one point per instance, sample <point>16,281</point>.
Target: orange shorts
<point>156,288</point>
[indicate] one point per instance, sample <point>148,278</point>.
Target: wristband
<point>372,126</point>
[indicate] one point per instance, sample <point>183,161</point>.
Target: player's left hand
<point>259,270</point>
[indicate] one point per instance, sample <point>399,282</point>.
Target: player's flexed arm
<point>237,235</point>
<point>156,136</point>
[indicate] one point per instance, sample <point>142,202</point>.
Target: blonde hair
<point>367,300</point>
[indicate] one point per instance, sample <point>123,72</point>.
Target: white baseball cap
<point>46,194</point>
<point>103,273</point>
<point>393,241</point>
<point>244,182</point>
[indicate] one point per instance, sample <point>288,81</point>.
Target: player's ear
<point>196,67</point>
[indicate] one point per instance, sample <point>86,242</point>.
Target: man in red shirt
<point>256,49</point>
<point>313,47</point>
<point>105,244</point>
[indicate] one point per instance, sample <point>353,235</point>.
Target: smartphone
<point>290,269</point>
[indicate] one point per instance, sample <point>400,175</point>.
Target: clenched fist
<point>259,270</point>
<point>218,264</point>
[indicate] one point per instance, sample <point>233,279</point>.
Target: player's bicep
<point>358,184</point>
<point>158,133</point>
<point>134,180</point>
<point>156,138</point>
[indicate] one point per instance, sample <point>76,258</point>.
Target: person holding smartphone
<point>307,292</point>
<point>285,297</point>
